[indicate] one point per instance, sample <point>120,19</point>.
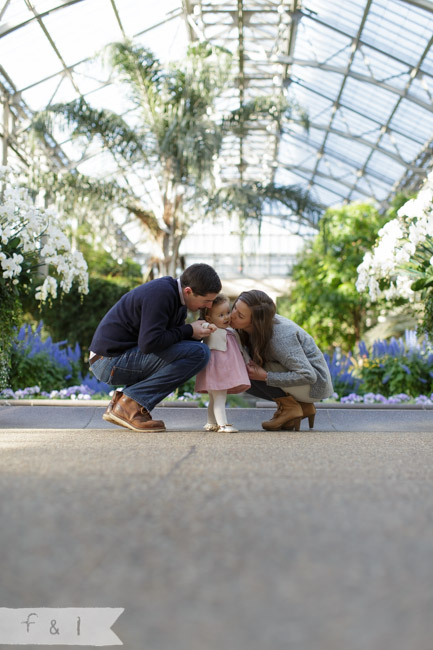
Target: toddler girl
<point>226,371</point>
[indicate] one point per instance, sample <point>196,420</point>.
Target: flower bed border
<point>192,404</point>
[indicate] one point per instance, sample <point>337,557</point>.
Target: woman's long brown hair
<point>262,320</point>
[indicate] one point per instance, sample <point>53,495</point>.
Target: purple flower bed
<point>35,354</point>
<point>377,398</point>
<point>82,392</point>
<point>397,371</point>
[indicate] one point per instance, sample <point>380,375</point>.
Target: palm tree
<point>176,137</point>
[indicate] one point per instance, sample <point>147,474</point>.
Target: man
<point>144,344</point>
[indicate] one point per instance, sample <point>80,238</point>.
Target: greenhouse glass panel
<point>14,56</point>
<point>355,125</point>
<point>73,32</point>
<point>369,99</point>
<point>380,67</point>
<point>325,197</point>
<point>398,28</point>
<point>344,16</point>
<point>385,166</point>
<point>413,119</point>
<point>399,145</point>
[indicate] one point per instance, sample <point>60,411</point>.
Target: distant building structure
<point>258,258</point>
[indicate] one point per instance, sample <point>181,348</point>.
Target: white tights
<point>216,411</point>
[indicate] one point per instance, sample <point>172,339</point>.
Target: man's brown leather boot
<point>287,416</point>
<point>128,413</point>
<point>117,395</point>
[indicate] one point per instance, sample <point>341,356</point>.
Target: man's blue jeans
<point>148,378</point>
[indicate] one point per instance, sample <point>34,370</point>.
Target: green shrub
<point>397,366</point>
<point>37,361</point>
<point>10,312</point>
<point>39,370</point>
<point>75,318</point>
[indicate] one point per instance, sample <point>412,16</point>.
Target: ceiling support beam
<point>337,100</point>
<point>8,28</point>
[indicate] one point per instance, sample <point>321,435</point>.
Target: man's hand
<point>202,329</point>
<point>256,372</point>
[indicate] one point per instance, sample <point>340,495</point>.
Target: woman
<point>286,364</point>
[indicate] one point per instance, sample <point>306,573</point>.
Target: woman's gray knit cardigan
<point>293,359</point>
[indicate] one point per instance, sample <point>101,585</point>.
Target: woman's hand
<point>256,372</point>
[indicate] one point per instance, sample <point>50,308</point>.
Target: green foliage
<point>174,103</point>
<point>101,263</point>
<point>74,317</point>
<point>275,107</point>
<point>37,361</point>
<point>37,370</point>
<point>10,312</point>
<point>391,375</point>
<point>77,193</point>
<point>237,401</point>
<point>324,299</point>
<point>427,323</point>
<point>421,270</point>
<point>88,123</point>
<point>249,200</point>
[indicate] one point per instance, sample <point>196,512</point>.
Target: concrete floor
<point>317,540</point>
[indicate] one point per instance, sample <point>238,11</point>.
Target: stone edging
<point>182,404</point>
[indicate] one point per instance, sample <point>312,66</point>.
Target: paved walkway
<point>328,418</point>
<point>317,540</point>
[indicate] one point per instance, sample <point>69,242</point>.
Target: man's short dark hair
<point>202,279</point>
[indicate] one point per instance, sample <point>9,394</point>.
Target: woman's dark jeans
<point>262,390</point>
<point>148,378</point>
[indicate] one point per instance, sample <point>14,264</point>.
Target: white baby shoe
<point>210,427</point>
<point>227,428</point>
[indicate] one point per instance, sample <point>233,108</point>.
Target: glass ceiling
<point>363,70</point>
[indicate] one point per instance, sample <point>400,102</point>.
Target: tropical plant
<point>174,134</point>
<point>324,299</point>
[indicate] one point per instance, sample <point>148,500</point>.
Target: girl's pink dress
<point>225,370</point>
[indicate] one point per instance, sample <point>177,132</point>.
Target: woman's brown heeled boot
<point>288,414</point>
<point>308,411</point>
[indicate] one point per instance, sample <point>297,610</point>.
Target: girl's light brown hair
<point>204,311</point>
<point>262,320</point>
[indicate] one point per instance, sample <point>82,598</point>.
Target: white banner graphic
<point>59,626</point>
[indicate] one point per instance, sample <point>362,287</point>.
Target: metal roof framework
<point>363,70</point>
